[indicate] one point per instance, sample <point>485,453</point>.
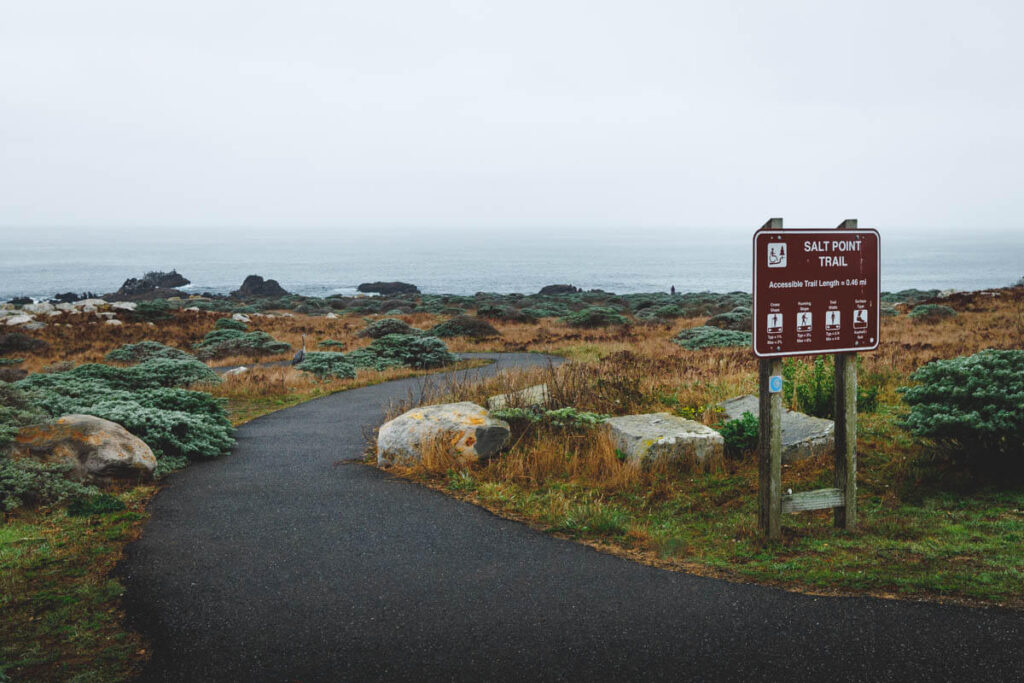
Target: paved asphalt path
<point>278,563</point>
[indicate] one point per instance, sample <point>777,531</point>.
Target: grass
<point>61,608</point>
<point>928,530</point>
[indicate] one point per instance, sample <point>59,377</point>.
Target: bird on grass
<point>300,355</point>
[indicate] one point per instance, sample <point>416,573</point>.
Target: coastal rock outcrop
<point>99,451</point>
<point>388,288</point>
<point>663,437</point>
<point>255,286</point>
<point>559,289</point>
<point>803,436</point>
<point>153,285</point>
<point>465,429</point>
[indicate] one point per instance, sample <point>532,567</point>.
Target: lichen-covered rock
<point>536,395</point>
<point>15,320</point>
<point>661,437</point>
<point>469,430</point>
<point>803,436</point>
<point>99,451</point>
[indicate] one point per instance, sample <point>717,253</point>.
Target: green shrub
<point>909,296</point>
<point>385,326</point>
<point>324,364</point>
<point>711,337</point>
<point>413,351</point>
<point>973,407</point>
<point>16,411</point>
<point>931,313</point>
<point>150,311</point>
<point>595,518</point>
<point>595,316</point>
<point>99,504</point>
<point>742,435</point>
<point>739,319</point>
<point>16,341</point>
<point>659,313</point>
<point>465,326</point>
<point>811,387</point>
<point>888,311</point>
<point>27,482</point>
<point>230,324</point>
<point>332,344</point>
<point>221,343</point>
<point>175,423</point>
<point>146,350</point>
<point>11,361</point>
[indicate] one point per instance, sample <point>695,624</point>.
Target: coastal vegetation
<point>938,522</point>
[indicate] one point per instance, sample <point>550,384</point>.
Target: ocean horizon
<point>39,265</point>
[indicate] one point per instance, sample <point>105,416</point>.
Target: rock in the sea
<point>255,286</point>
<point>154,285</point>
<point>466,428</point>
<point>529,397</point>
<point>803,436</point>
<point>99,451</point>
<point>560,289</point>
<point>388,288</point>
<point>661,437</point>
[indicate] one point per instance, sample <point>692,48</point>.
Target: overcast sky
<point>492,115</point>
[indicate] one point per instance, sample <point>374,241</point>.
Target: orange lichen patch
<point>470,440</point>
<point>476,420</point>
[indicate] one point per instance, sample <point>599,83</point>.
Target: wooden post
<point>770,441</point>
<point>845,517</point>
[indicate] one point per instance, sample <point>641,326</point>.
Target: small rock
<point>331,316</point>
<point>42,307</point>
<point>113,322</point>
<point>91,302</point>
<point>13,320</point>
<point>472,433</point>
<point>236,371</point>
<point>191,309</point>
<point>34,325</point>
<point>664,437</point>
<point>89,308</point>
<point>99,451</point>
<point>240,317</point>
<point>107,314</point>
<point>124,305</point>
<point>803,436</point>
<point>536,395</point>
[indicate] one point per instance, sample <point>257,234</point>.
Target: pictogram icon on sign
<point>832,320</point>
<point>860,319</point>
<point>804,322</point>
<point>774,323</point>
<point>777,255</point>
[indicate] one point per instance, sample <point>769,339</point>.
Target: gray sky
<point>524,114</point>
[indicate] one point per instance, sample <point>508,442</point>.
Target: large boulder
<point>255,286</point>
<point>537,395</point>
<point>388,288</point>
<point>154,285</point>
<point>661,437</point>
<point>99,451</point>
<point>471,433</point>
<point>803,436</point>
<point>15,320</point>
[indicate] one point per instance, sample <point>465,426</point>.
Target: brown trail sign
<point>815,291</point>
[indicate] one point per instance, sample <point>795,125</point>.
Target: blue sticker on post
<point>775,384</point>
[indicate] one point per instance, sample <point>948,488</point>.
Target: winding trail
<point>279,563</point>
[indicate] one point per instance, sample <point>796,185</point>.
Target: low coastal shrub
<point>465,326</point>
<point>908,296</point>
<point>27,482</point>
<point>385,326</point>
<point>230,324</point>
<point>711,337</point>
<point>739,319</point>
<point>222,343</point>
<point>146,350</point>
<point>810,387</point>
<point>660,313</point>
<point>16,342</point>
<point>569,417</point>
<point>741,435</point>
<point>972,407</point>
<point>595,316</point>
<point>332,344</point>
<point>97,504</point>
<point>327,364</point>
<point>146,399</point>
<point>931,313</point>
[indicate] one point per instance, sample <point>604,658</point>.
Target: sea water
<point>40,263</point>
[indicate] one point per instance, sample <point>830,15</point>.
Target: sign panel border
<point>825,232</point>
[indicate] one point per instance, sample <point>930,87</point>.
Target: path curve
<point>279,564</point>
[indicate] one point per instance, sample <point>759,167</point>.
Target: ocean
<point>40,263</point>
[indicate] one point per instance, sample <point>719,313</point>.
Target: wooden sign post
<point>815,292</point>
